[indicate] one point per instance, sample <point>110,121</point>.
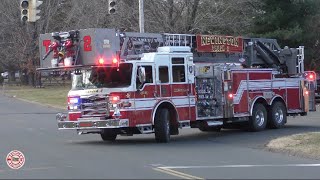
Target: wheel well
<point>173,114</point>
<point>260,100</point>
<point>277,99</point>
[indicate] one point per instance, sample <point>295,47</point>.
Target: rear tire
<point>162,126</point>
<point>277,115</point>
<point>108,135</point>
<point>258,120</point>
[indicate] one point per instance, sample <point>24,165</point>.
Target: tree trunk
<point>11,76</point>
<point>193,14</point>
<point>170,15</point>
<point>24,77</point>
<point>31,79</point>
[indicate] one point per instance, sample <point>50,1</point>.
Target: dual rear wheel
<point>275,118</point>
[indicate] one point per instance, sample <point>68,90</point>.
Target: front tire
<point>162,126</point>
<point>278,115</point>
<point>258,120</point>
<point>108,135</point>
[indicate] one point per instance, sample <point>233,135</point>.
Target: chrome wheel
<point>278,116</point>
<point>260,118</point>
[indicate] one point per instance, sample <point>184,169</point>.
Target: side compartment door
<point>209,91</point>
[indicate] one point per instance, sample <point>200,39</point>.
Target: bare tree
<point>19,42</point>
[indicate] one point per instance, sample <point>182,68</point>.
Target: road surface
<point>49,153</point>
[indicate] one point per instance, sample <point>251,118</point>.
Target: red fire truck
<point>126,83</point>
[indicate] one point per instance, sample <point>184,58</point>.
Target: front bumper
<point>93,124</point>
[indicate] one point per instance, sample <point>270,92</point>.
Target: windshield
<point>103,77</point>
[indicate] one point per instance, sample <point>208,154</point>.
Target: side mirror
<point>142,75</point>
<point>77,81</point>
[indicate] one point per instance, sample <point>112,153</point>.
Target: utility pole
<point>141,16</point>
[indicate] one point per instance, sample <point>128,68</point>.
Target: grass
<point>306,145</point>
<point>55,96</point>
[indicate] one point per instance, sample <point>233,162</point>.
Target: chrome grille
<point>95,106</point>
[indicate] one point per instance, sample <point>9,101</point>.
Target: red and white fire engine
<point>126,83</point>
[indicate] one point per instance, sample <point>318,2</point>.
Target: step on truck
<point>126,83</point>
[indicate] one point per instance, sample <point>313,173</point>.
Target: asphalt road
<point>50,153</point>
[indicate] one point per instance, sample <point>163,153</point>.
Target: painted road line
<point>176,173</point>
<point>241,166</point>
<point>34,168</point>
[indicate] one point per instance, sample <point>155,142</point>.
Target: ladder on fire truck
<point>134,44</point>
<point>300,63</point>
<point>179,40</point>
<point>253,52</point>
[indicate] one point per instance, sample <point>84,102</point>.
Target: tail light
<point>115,61</point>
<point>230,96</point>
<point>310,75</point>
<point>101,61</point>
<point>306,92</point>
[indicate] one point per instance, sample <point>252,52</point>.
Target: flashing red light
<point>115,61</point>
<point>230,95</point>
<point>311,76</point>
<point>115,99</point>
<point>101,61</point>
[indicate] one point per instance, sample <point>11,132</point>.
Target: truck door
<point>144,99</point>
<point>163,82</point>
<point>180,87</point>
<point>163,86</point>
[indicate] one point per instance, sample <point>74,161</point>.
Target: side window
<point>178,69</point>
<point>149,75</point>
<point>163,74</point>
<point>178,74</point>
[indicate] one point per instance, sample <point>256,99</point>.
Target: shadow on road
<point>193,136</point>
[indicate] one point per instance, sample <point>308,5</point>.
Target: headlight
<point>73,107</point>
